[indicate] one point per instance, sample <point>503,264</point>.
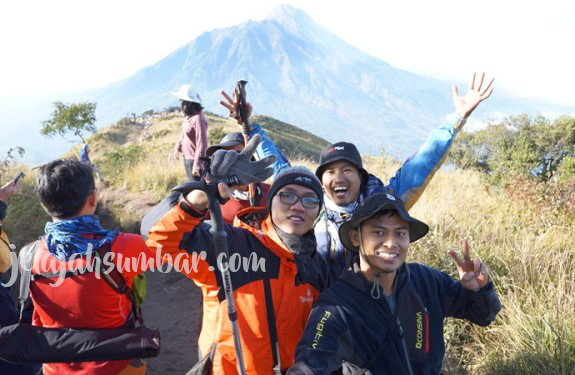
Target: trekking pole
<point>219,236</point>
<point>243,114</point>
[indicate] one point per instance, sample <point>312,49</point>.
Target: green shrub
<point>215,134</point>
<point>119,160</point>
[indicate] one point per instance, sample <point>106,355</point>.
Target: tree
<point>524,145</point>
<point>75,118</point>
<point>9,159</point>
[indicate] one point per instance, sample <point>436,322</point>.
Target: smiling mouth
<point>340,190</point>
<point>386,256</point>
<point>296,219</point>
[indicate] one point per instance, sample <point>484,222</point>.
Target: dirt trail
<point>173,302</point>
<point>173,305</point>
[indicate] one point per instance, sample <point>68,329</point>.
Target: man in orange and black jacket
<point>278,278</point>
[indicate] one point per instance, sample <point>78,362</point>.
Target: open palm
<point>465,105</point>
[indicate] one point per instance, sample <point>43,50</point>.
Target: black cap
<point>341,151</point>
<point>371,206</point>
<point>229,140</point>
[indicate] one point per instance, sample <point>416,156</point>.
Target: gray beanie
<point>298,176</point>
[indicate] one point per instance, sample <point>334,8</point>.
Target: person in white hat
<point>193,139</point>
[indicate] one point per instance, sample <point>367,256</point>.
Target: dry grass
<point>530,252</point>
<point>531,255</point>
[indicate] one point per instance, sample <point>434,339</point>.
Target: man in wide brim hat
<point>385,315</point>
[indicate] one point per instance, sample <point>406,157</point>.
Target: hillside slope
<point>527,244</point>
<point>135,157</point>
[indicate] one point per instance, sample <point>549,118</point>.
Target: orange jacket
<point>180,234</point>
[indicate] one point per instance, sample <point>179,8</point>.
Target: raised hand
<point>238,169</point>
<point>465,105</point>
<point>8,190</point>
<point>199,199</point>
<point>472,273</point>
<point>233,105</point>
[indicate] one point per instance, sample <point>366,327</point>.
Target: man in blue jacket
<point>346,183</point>
<point>384,315</point>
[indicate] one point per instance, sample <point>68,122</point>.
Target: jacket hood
<point>356,279</point>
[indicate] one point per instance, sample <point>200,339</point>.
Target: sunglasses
<point>291,199</point>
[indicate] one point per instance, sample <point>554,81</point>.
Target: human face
<point>385,242</point>
<point>239,147</point>
<point>294,218</point>
<point>341,182</point>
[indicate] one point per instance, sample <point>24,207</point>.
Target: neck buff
<point>65,238</point>
<point>302,247</point>
<point>339,214</point>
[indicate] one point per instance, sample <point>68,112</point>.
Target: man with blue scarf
<point>63,293</point>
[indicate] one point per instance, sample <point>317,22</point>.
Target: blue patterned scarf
<point>65,238</point>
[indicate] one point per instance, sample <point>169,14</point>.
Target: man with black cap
<point>240,198</point>
<point>237,202</point>
<point>273,301</point>
<point>384,315</point>
<point>346,183</point>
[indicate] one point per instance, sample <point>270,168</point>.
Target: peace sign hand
<point>472,273</point>
<point>233,105</point>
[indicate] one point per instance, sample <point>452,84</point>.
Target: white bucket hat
<point>186,92</point>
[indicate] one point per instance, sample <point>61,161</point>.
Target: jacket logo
<point>419,327</point>
<point>319,329</point>
<point>390,197</point>
<point>307,180</point>
<point>308,297</point>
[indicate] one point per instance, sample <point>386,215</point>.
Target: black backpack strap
<point>26,263</point>
<point>116,281</point>
<point>50,275</point>
<point>272,326</point>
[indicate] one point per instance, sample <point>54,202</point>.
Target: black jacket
<point>2,210</point>
<point>347,324</point>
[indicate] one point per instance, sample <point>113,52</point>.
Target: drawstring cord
<point>376,289</point>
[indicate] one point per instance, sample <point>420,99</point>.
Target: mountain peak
<point>287,14</point>
<point>284,10</point>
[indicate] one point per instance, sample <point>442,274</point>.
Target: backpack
<point>24,343</point>
<point>83,153</point>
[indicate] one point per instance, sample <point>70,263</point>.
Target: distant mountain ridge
<point>298,72</point>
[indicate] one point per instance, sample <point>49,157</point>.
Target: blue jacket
<point>408,183</point>
<point>348,324</point>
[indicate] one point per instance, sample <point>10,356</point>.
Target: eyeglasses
<point>291,199</point>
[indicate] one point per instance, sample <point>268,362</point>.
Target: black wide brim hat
<point>230,140</point>
<point>371,206</point>
<point>341,151</point>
